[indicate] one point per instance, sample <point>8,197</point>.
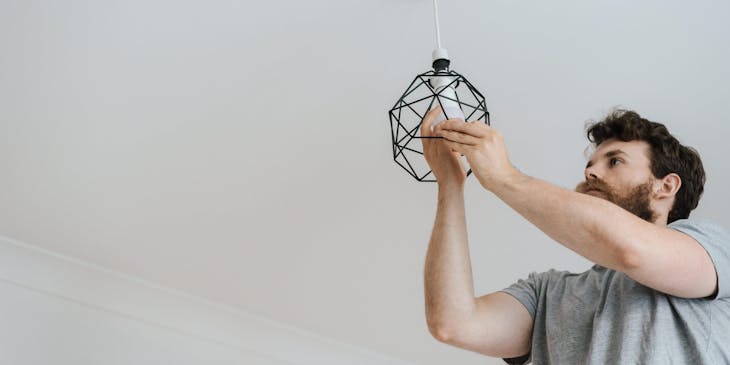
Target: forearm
<point>594,228</point>
<point>449,289</point>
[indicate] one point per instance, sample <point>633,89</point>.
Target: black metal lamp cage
<point>408,113</point>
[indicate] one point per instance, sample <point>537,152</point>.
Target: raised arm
<point>656,256</point>
<point>496,324</point>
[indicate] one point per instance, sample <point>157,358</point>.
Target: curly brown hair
<point>667,155</point>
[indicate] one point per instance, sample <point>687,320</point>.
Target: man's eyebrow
<point>610,153</point>
<point>615,152</point>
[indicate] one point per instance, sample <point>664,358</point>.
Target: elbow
<point>442,334</point>
<point>447,325</point>
<point>629,260</point>
<point>442,330</point>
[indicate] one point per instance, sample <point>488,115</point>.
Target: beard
<point>636,201</point>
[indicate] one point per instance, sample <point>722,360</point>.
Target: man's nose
<point>591,173</point>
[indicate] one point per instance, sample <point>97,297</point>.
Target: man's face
<point>620,172</point>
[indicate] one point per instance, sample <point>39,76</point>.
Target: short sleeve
<point>528,292</point>
<point>716,241</point>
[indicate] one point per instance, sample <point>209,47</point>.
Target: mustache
<point>595,184</point>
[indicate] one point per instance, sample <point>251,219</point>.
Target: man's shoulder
<point>701,229</point>
<point>699,223</point>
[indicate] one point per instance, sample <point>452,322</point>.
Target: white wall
<point>57,310</point>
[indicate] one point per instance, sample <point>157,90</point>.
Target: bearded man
<point>659,292</point>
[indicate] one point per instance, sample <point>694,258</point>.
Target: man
<point>660,290</point>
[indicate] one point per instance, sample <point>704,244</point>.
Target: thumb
<point>428,121</point>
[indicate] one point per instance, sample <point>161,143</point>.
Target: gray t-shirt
<point>602,316</point>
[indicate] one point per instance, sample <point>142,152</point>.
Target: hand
<point>483,147</point>
<point>445,164</point>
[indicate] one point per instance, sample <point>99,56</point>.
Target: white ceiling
<point>241,150</point>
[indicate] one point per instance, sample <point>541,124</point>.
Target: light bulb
<point>443,86</point>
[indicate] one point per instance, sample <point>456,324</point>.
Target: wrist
<point>450,187</point>
<point>512,179</point>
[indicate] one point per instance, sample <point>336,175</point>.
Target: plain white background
<point>241,151</point>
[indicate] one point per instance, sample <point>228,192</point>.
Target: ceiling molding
<point>123,295</point>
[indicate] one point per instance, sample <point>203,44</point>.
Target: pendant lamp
<point>441,86</point>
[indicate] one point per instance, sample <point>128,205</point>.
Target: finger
<point>454,136</point>
<point>457,147</point>
<point>473,129</point>
<point>470,128</point>
<point>428,120</point>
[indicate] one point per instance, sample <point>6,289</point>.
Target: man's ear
<point>668,186</point>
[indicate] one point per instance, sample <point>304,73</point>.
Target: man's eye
<point>614,161</point>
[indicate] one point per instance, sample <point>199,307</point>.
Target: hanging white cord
<point>436,20</point>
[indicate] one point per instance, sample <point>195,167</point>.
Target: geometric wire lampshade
<point>407,115</point>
